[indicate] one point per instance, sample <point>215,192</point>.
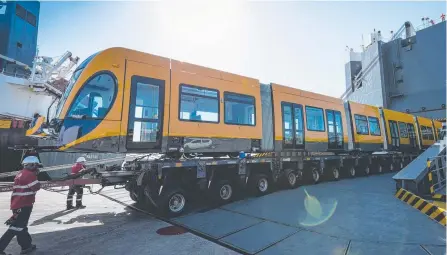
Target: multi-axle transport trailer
<point>167,184</point>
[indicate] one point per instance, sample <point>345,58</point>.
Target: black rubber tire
<point>165,199</point>
<point>290,179</point>
<point>379,169</point>
<point>256,186</point>
<point>300,176</point>
<point>217,196</point>
<point>392,167</point>
<point>367,170</point>
<point>133,196</point>
<point>352,172</point>
<point>316,176</point>
<point>335,173</point>
<point>143,199</point>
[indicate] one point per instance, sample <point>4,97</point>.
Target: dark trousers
<point>18,228</point>
<point>78,189</point>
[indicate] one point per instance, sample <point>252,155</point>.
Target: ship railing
<point>437,173</point>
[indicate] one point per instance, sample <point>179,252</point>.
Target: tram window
<point>315,119</point>
<point>145,126</point>
<point>287,124</point>
<point>199,104</point>
<point>145,131</point>
<point>424,133</point>
<point>95,98</point>
<point>361,124</point>
<point>335,129</point>
<point>403,130</point>
<point>427,133</point>
<point>72,82</point>
<point>374,128</point>
<point>239,109</point>
<point>339,128</point>
<point>410,129</point>
<point>146,101</point>
<point>97,104</point>
<point>299,127</point>
<point>394,132</point>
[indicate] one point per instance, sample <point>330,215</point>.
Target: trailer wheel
<point>148,197</point>
<point>133,196</point>
<point>379,168</point>
<point>299,175</point>
<point>335,173</point>
<point>315,175</point>
<point>261,184</point>
<point>223,191</point>
<point>173,203</point>
<point>352,172</point>
<point>290,178</point>
<point>367,170</point>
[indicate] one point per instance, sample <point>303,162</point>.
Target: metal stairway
<point>415,176</point>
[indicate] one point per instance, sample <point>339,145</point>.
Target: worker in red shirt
<point>23,197</point>
<point>78,189</point>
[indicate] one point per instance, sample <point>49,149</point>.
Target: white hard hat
<point>30,160</point>
<point>81,160</point>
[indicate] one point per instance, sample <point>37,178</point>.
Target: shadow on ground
<point>74,239</point>
<point>85,218</point>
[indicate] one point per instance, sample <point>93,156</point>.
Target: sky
<point>293,43</point>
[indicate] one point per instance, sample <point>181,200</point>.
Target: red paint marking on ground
<point>171,230</point>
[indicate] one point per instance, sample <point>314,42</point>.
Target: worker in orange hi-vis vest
<point>78,189</point>
<point>23,197</point>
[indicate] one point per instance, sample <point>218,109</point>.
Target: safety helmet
<point>31,163</point>
<point>81,160</point>
<point>30,160</point>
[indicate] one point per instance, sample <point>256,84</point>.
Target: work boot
<point>69,207</point>
<point>29,250</point>
<point>80,206</point>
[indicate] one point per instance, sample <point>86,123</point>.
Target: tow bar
<point>107,178</point>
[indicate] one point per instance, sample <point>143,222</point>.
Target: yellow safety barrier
<point>261,155</point>
<point>433,211</point>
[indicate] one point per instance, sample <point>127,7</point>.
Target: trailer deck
<point>351,216</point>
